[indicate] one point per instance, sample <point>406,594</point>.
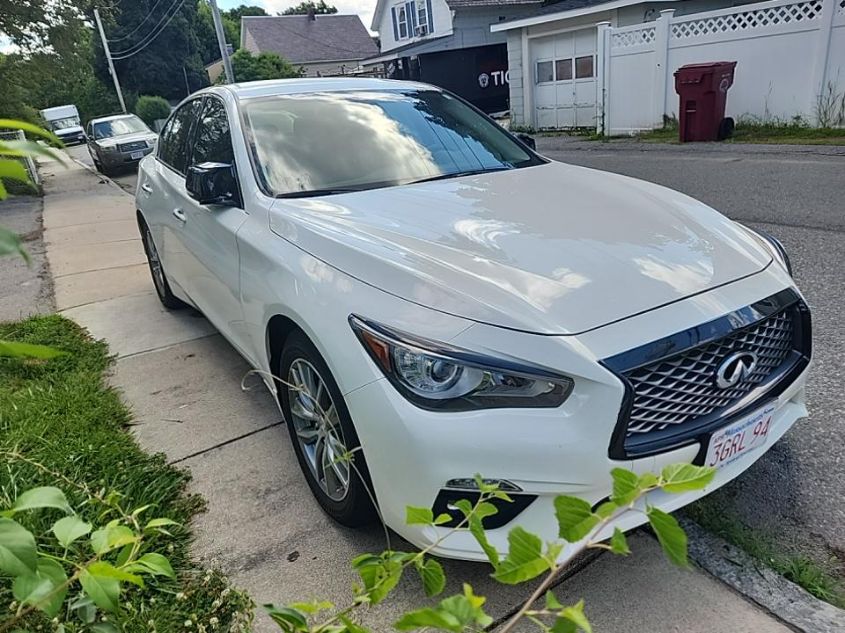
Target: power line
<point>149,38</point>
<point>140,24</point>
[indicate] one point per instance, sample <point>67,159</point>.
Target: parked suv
<point>429,298</point>
<point>118,141</point>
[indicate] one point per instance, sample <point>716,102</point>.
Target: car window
<point>119,127</point>
<point>212,140</point>
<point>174,137</point>
<point>362,140</point>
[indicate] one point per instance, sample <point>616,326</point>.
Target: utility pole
<point>221,42</point>
<point>108,58</point>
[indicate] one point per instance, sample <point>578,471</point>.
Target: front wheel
<point>165,295</point>
<point>323,436</point>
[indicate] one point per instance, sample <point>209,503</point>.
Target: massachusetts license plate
<point>136,155</point>
<point>743,436</point>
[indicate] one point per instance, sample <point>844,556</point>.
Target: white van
<point>64,123</point>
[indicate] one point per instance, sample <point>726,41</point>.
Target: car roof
<point>113,117</point>
<point>273,87</point>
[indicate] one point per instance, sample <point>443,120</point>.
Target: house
<point>610,64</point>
<point>324,45</point>
<point>449,43</point>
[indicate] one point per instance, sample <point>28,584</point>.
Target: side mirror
<point>528,140</point>
<point>213,183</point>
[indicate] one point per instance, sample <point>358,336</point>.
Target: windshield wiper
<point>458,174</point>
<point>318,192</point>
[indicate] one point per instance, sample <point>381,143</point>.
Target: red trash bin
<point>703,91</point>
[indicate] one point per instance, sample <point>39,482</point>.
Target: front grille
<point>673,395</point>
<point>134,146</point>
<point>682,388</point>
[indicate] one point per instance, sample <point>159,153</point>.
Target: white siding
<point>441,13</point>
<point>517,93</point>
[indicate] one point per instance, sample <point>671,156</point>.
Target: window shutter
<point>411,7</point>
<point>429,15</point>
<point>395,23</point>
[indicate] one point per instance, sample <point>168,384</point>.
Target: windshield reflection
<point>324,142</point>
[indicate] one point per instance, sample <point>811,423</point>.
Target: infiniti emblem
<point>735,368</point>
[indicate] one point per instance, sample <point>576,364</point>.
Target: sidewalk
<point>262,527</point>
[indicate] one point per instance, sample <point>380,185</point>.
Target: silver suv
<point>118,141</point>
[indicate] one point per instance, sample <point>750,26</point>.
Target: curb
<point>763,586</point>
<point>99,175</point>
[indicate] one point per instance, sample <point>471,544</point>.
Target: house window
<point>402,20</point>
<point>584,67</point>
<point>422,19</point>
<point>563,69</point>
<point>545,72</point>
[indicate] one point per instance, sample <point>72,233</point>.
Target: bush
<point>150,108</point>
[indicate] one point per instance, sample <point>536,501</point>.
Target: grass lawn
<point>785,134</point>
<point>61,414</point>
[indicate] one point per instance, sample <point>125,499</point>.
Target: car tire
<point>165,295</point>
<point>347,502</point>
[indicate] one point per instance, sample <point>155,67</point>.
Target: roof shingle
<point>300,39</point>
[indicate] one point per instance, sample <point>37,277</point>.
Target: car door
<point>209,232</point>
<point>165,190</point>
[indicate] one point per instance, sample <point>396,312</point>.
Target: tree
<point>150,108</point>
<point>32,24</point>
<point>249,67</point>
<point>162,65</point>
<point>303,8</point>
<point>238,12</point>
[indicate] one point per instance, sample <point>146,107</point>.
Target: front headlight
<point>774,246</point>
<point>440,376</point>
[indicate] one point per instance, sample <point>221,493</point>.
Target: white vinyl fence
<point>790,58</point>
<point>29,164</point>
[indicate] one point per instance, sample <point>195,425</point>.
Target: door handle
<point>146,188</point>
<point>179,215</point>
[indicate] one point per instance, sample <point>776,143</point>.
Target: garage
<point>564,67</point>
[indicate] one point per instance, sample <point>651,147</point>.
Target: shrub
<point>150,108</point>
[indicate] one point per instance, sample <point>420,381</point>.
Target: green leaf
<point>104,591</point>
<point>571,619</point>
<point>152,563</point>
<point>552,603</point>
<point>159,523</point>
<point>111,537</point>
<point>432,575</point>
<point>647,480</point>
<point>455,613</point>
<point>618,543</point>
<point>476,528</point>
<point>429,618</point>
<point>22,149</point>
<point>18,554</point>
<point>442,518</point>
<point>686,477</point>
<point>43,497</point>
<point>350,626</point>
<point>13,124</point>
<point>10,243</point>
<point>524,560</point>
<point>13,170</point>
<point>289,620</point>
<point>102,569</point>
<point>418,516</point>
<point>13,349</point>
<point>605,509</point>
<point>68,529</point>
<point>104,627</point>
<point>45,588</point>
<point>625,486</point>
<point>312,607</point>
<point>380,574</point>
<point>671,536</point>
<point>575,518</point>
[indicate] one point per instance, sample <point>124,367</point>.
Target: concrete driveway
<point>183,382</point>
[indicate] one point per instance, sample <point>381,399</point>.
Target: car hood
<point>553,249</point>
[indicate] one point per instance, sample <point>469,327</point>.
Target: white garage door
<point>565,79</point>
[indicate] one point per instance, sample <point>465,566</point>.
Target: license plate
<point>743,436</point>
<point>136,155</point>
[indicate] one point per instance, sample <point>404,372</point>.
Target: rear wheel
<point>165,295</point>
<point>323,436</point>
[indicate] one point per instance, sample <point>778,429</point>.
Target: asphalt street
<point>793,494</point>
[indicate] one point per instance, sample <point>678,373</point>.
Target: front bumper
<point>121,159</point>
<point>412,453</point>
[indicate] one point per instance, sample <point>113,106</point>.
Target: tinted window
<point>212,141</point>
<point>363,140</point>
<point>172,143</point>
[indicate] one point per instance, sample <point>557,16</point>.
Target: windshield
<point>119,127</point>
<point>350,141</point>
<point>63,124</point>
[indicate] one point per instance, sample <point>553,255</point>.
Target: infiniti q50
<point>436,299</point>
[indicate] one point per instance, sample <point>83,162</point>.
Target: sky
<point>364,8</point>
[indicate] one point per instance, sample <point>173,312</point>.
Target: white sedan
<point>434,299</point>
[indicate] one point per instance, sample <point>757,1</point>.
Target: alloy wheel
<point>317,425</point>
<point>155,262</point>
